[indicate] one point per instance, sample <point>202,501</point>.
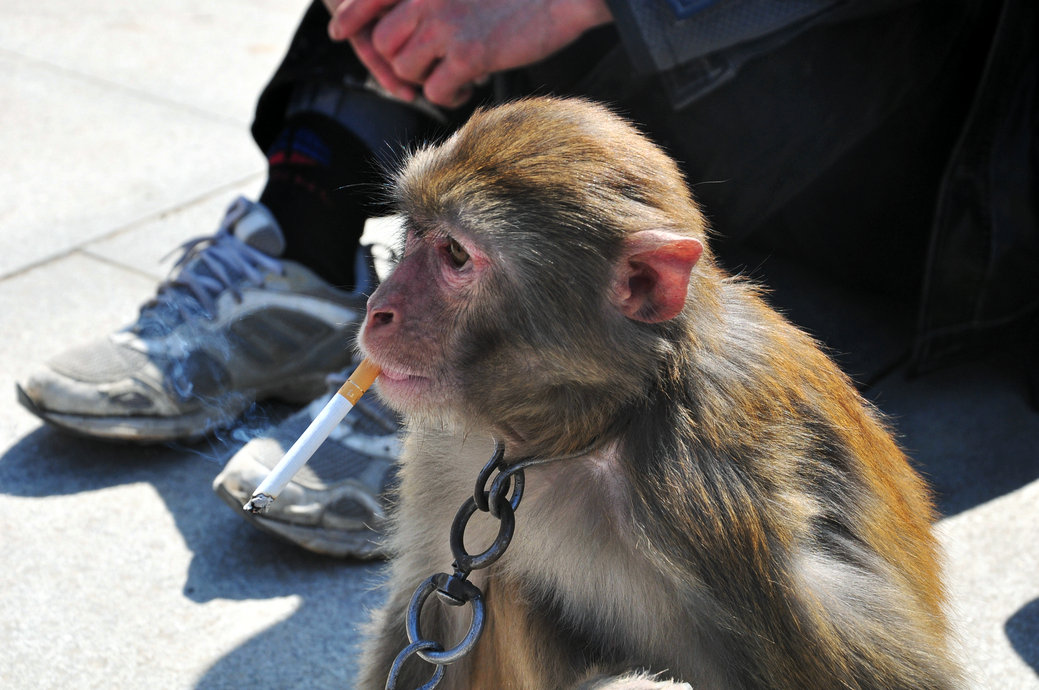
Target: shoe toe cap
<point>54,392</point>
<point>98,379</point>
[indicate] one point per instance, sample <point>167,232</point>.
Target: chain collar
<point>455,589</point>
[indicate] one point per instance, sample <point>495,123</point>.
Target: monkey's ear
<point>652,276</point>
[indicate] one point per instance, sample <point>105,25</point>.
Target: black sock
<point>320,187</point>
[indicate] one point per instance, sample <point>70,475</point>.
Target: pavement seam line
<point>84,247</point>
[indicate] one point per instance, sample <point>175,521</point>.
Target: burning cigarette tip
<point>258,504</point>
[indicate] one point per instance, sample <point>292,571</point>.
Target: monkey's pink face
<point>414,317</point>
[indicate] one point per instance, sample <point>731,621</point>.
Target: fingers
<point>377,29</point>
<point>394,30</point>
<point>352,16</point>
<point>379,68</point>
<point>415,59</point>
<point>450,84</point>
<point>459,98</point>
<point>403,54</point>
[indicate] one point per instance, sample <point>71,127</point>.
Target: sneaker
<point>232,325</point>
<point>336,504</point>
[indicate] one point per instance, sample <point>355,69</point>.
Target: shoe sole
<point>356,545</point>
<point>186,428</point>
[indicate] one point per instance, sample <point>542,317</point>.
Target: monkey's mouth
<point>393,374</point>
<point>400,384</point>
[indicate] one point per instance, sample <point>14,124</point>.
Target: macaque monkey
<point>743,518</point>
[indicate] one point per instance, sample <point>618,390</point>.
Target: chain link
<point>455,589</point>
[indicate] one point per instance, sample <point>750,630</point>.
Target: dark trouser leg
<point>327,168</point>
<point>828,148</point>
<point>327,138</point>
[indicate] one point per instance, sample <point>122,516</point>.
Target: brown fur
<point>745,520</point>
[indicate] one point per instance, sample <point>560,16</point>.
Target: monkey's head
<point>547,272</point>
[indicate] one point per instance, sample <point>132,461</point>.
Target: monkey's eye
<point>459,257</point>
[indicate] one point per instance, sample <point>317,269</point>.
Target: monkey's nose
<point>380,318</point>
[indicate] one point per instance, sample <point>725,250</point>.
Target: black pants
<point>828,149</point>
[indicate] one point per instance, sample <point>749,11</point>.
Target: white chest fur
<point>575,537</point>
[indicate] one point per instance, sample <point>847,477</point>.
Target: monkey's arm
<point>800,603</point>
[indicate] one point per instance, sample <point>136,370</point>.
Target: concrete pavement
<point>125,132</point>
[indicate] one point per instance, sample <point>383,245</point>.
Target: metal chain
<point>455,589</point>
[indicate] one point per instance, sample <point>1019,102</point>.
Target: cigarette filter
<point>311,439</point>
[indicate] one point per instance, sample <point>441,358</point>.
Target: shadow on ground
<point>313,648</point>
<point>1022,630</point>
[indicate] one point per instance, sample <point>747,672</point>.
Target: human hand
<point>443,47</point>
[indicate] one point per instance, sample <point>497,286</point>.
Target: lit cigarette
<point>311,439</point>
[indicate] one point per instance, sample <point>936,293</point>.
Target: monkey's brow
<point>423,230</point>
<point>413,227</point>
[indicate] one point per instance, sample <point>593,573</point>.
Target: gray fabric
<point>658,40</point>
<point>98,362</point>
<point>269,337</point>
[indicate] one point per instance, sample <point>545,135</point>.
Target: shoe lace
<point>208,266</point>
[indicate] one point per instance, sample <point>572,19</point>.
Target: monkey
<point>725,509</point>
